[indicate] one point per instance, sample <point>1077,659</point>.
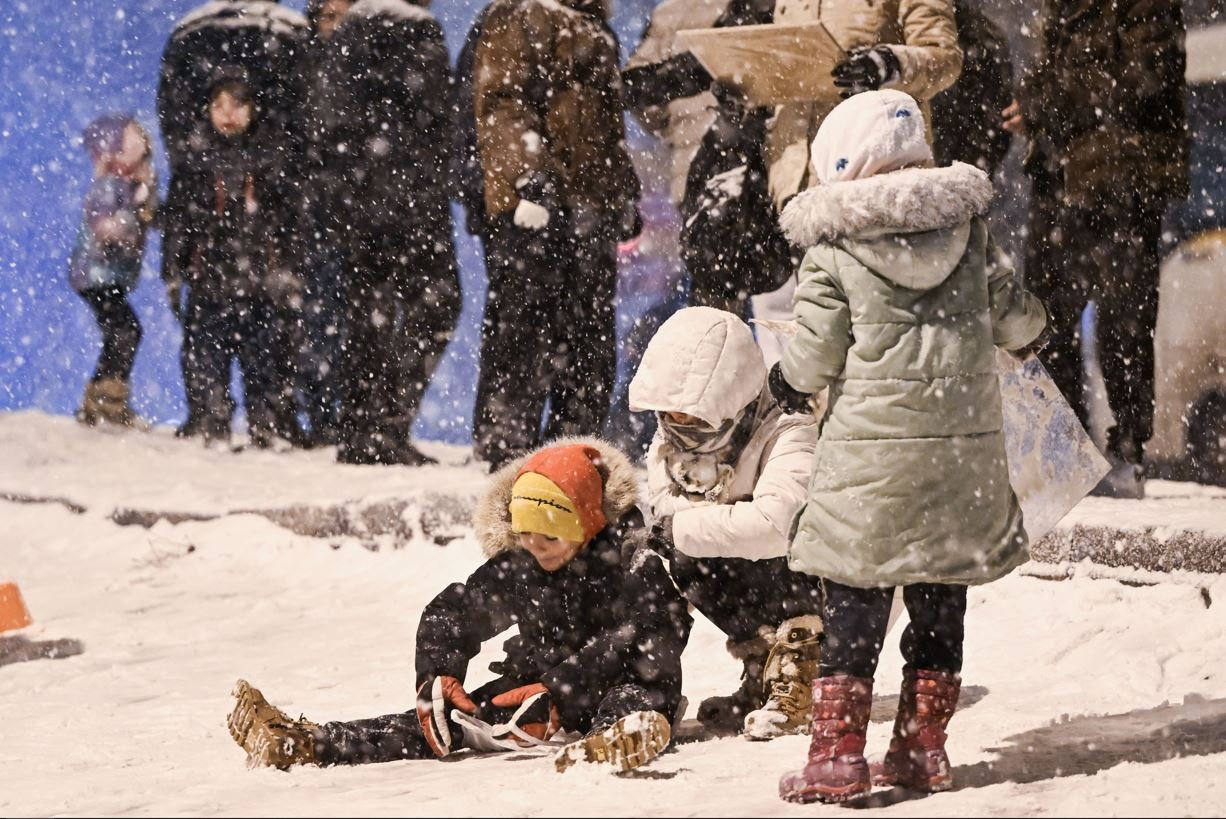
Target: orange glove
<point>435,696</point>
<point>536,714</point>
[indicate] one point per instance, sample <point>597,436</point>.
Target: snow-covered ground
<point>1084,697</point>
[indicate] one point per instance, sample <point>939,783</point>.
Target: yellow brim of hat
<point>539,506</point>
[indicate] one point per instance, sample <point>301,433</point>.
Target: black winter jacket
<point>389,125</point>
<point>583,630</point>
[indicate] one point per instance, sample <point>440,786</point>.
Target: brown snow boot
<point>726,714</point>
<point>916,758</point>
<point>90,412</point>
<point>836,770</point>
<point>106,400</point>
<point>632,741</point>
<point>267,733</point>
<point>791,668</point>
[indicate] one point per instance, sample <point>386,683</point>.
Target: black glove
<point>867,69</point>
<point>658,539</point>
<point>542,189</point>
<point>789,399</point>
<point>733,104</point>
<point>681,75</point>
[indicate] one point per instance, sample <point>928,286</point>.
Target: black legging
<point>855,622</point>
<point>394,737</point>
<point>120,328</point>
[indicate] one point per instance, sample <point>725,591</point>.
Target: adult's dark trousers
<point>1108,253</point>
<point>194,390</point>
<point>740,596</point>
<point>399,736</point>
<point>121,331</point>
<point>323,325</point>
<point>225,330</point>
<point>855,620</point>
<point>401,309</point>
<point>548,339</point>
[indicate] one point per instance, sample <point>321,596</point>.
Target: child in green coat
<point>902,298</point>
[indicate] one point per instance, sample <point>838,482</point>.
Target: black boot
<point>727,714</point>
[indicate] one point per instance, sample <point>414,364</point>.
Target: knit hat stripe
<point>539,506</point>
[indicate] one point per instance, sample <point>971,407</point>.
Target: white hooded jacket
<point>704,362</point>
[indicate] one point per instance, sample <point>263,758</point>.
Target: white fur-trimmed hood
<point>911,200</point>
<point>492,516</point>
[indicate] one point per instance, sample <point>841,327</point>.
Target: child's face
<point>683,418</point>
<point>330,15</point>
<point>229,114</point>
<point>551,553</point>
<point>132,151</point>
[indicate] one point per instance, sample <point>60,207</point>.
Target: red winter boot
<point>836,770</point>
<point>917,757</point>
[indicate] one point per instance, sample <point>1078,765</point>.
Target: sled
<point>1053,464</point>
<point>769,64</point>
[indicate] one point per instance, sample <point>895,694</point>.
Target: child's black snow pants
<point>855,623</point>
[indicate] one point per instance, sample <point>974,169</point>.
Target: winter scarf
<point>701,459</point>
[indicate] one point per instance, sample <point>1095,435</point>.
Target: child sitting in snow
<point>106,260</point>
<point>902,298</point>
<point>597,659</point>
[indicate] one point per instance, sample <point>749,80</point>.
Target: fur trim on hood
<point>911,200</point>
<point>492,517</point>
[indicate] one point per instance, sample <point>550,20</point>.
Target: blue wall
<point>63,63</point>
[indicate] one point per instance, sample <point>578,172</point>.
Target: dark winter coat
<point>966,118</point>
<point>470,184</point>
<point>260,38</point>
<point>592,625</point>
<point>1105,100</point>
<point>547,94</point>
<point>317,170</point>
<point>243,217</point>
<point>388,126</point>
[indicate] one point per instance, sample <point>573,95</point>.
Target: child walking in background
<point>901,300</point>
<point>106,259</point>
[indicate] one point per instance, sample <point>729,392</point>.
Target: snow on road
<point>1081,698</point>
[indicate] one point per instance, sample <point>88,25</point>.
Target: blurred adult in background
<point>263,39</point>
<point>319,179</point>
<point>667,89</point>
<point>1104,112</point>
<point>966,124</point>
<point>559,193</point>
<point>910,45</point>
<point>730,243</point>
<point>387,132</point>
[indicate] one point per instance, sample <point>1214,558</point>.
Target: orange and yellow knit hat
<point>558,492</point>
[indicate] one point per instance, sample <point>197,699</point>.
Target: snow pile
<point>1081,698</point>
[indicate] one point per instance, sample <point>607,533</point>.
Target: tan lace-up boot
<point>791,667</point>
<point>268,735</point>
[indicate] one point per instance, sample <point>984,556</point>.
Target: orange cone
<point>13,611</point>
